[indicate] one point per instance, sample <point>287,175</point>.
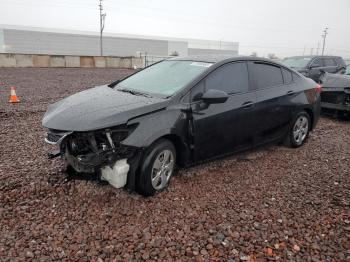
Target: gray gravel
<point>272,203</point>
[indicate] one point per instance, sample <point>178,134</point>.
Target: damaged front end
<point>100,152</point>
<point>336,98</point>
<point>335,92</point>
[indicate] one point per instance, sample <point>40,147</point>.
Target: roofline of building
<point>190,41</point>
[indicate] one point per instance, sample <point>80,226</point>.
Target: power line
<point>102,26</point>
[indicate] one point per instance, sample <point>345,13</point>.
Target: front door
<point>226,127</point>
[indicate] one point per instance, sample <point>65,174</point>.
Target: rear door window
<point>267,75</point>
<point>231,78</point>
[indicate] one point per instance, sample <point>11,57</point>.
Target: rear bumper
<point>333,106</point>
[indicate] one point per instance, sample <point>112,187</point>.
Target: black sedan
<point>180,111</point>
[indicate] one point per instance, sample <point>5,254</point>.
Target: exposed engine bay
<point>95,152</point>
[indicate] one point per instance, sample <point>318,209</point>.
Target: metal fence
<point>151,59</point>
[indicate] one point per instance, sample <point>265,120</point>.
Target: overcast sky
<point>264,26</point>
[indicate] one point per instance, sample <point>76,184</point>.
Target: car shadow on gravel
<point>69,175</point>
<point>244,156</point>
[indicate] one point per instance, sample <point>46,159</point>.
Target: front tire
<point>298,131</point>
<point>157,168</point>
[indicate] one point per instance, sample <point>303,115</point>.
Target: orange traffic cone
<point>13,97</point>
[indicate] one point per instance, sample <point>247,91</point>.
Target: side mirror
<point>213,96</point>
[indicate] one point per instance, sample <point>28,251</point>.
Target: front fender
<point>153,126</point>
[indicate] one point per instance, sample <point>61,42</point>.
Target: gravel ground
<point>272,203</point>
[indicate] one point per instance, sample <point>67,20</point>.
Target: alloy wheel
<point>300,129</point>
<point>162,169</point>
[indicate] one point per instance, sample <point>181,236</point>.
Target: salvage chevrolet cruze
<point>180,112</point>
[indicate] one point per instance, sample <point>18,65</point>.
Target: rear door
<point>275,90</point>
<point>226,127</point>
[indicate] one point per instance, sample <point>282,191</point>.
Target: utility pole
<point>102,26</point>
<point>318,47</point>
<point>325,33</point>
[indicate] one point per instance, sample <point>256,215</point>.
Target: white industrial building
<point>33,40</point>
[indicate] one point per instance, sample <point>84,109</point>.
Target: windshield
<point>347,72</point>
<point>164,78</point>
<point>296,62</point>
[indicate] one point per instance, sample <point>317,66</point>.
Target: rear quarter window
<point>296,76</point>
<point>287,76</point>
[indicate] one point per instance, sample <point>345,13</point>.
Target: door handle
<point>247,104</point>
<point>290,92</point>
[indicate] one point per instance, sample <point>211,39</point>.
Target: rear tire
<point>298,131</point>
<point>157,168</point>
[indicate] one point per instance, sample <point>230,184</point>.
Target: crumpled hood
<point>97,108</point>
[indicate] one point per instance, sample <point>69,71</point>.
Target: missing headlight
<point>97,147</point>
<point>78,144</point>
<point>116,134</point>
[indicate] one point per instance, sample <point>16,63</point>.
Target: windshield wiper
<point>134,92</point>
<point>113,84</point>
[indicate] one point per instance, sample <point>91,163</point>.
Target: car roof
<point>217,58</point>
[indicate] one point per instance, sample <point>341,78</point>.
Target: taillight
<point>318,89</point>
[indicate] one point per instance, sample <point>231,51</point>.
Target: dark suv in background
<point>312,66</point>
